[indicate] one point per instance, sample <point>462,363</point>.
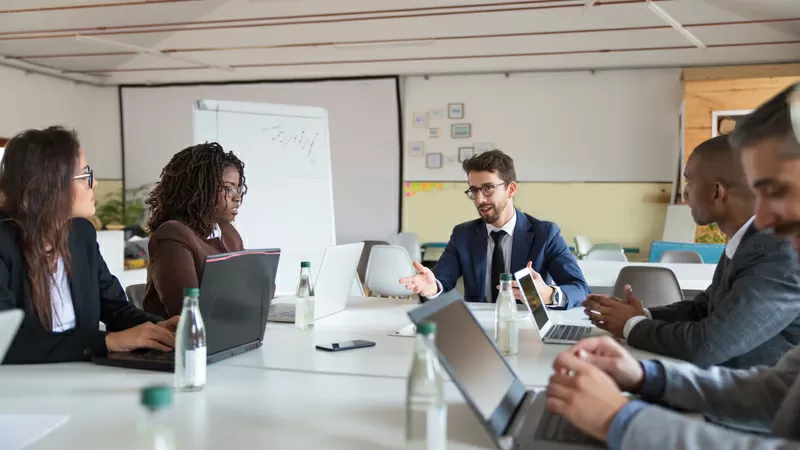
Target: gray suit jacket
<point>759,398</point>
<point>749,316</point>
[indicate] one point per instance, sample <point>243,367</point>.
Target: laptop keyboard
<point>151,355</point>
<point>288,314</point>
<point>553,427</point>
<point>568,333</point>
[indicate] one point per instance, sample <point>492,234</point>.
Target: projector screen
<point>364,141</point>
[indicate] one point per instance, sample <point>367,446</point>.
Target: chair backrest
<point>362,263</point>
<point>606,255</point>
<point>135,293</point>
<point>387,264</point>
<point>582,246</point>
<point>654,286</point>
<point>410,242</point>
<point>681,257</point>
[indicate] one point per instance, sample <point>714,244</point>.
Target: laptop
<point>337,274</point>
<point>549,332</point>
<point>235,295</point>
<point>513,416</point>
<point>10,321</point>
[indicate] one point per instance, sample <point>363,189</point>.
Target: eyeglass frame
<point>472,191</point>
<point>89,176</point>
<point>229,190</point>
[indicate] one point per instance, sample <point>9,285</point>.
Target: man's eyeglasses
<point>231,191</point>
<point>487,190</point>
<point>89,176</point>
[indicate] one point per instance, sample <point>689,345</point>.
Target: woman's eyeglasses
<point>231,191</point>
<point>89,176</point>
<point>487,190</point>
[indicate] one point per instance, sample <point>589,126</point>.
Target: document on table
<point>21,430</point>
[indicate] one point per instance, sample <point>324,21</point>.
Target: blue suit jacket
<point>534,240</point>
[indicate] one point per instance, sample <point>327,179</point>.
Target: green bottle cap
<point>156,397</point>
<point>191,292</point>
<point>426,328</point>
<point>305,265</point>
<point>505,277</point>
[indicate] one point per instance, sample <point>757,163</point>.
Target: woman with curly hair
<point>191,210</point>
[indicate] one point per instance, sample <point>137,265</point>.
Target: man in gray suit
<point>750,314</point>
<point>588,378</point>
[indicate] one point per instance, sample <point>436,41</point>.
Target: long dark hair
<point>36,180</point>
<point>190,187</point>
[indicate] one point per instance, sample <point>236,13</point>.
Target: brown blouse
<point>177,258</point>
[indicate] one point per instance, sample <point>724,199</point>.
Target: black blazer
<point>96,296</point>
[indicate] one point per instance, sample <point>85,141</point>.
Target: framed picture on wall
<point>461,131</point>
<point>482,147</point>
<point>436,113</point>
<point>434,132</point>
<point>420,120</point>
<point>433,161</point>
<point>455,110</point>
<point>724,122</point>
<point>465,153</point>
<point>416,148</point>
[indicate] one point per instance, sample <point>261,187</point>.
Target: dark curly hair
<point>492,161</point>
<point>190,187</point>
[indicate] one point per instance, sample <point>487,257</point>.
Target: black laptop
<point>235,295</point>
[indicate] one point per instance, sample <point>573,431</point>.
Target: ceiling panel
<point>306,38</point>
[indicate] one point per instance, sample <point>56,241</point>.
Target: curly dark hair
<point>492,161</point>
<point>190,187</point>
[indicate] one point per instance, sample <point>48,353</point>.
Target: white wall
<point>610,126</point>
<point>364,141</point>
<point>37,101</point>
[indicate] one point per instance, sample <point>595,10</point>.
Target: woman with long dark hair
<point>50,264</point>
<point>191,210</point>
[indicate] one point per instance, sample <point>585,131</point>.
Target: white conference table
<point>239,408</point>
<point>284,395</point>
<point>373,319</point>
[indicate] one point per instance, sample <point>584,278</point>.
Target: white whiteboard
<point>289,201</point>
<point>606,126</point>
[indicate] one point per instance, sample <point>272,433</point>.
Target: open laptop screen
<point>472,358</point>
<point>534,300</point>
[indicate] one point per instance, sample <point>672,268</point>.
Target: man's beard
<point>492,216</point>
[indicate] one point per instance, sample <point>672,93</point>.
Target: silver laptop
<point>336,278</point>
<point>514,417</point>
<point>9,324</point>
<point>549,332</point>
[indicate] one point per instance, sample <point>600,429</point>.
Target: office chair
<point>582,246</point>
<point>681,257</point>
<point>362,263</point>
<point>653,286</point>
<point>135,293</point>
<point>387,264</point>
<point>606,255</point>
<point>410,242</point>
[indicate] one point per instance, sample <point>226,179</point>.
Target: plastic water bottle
<point>426,410</point>
<point>506,334</point>
<point>304,309</point>
<point>155,431</point>
<point>190,345</point>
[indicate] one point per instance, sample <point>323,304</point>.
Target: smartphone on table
<point>345,345</point>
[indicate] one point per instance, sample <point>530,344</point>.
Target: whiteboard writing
<point>299,141</point>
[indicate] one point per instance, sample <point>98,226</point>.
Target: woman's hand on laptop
<point>423,283</point>
<point>146,335</point>
<point>609,356</point>
<point>170,324</point>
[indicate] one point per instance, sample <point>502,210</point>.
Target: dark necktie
<point>498,263</point>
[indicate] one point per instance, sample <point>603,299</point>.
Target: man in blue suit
<point>503,240</point>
